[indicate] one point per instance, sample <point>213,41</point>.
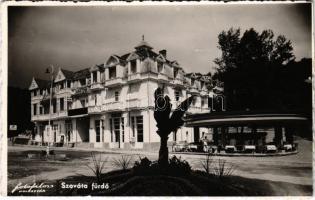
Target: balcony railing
<point>112,106</point>
<point>178,82</point>
<point>134,77</point>
<point>113,82</point>
<point>78,111</point>
<point>45,117</point>
<point>97,86</point>
<point>81,91</point>
<point>94,109</point>
<point>162,77</point>
<point>133,103</point>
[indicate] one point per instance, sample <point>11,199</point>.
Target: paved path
<point>295,169</point>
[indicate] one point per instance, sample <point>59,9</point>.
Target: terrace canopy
<point>245,118</point>
<point>248,127</point>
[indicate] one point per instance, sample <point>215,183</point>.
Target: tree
<point>250,65</point>
<point>167,123</point>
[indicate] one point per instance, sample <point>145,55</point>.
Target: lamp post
<point>50,71</point>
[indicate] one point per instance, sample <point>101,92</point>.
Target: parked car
<point>195,146</point>
<point>180,146</point>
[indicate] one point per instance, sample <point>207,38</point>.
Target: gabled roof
<point>81,74</point>
<point>68,74</point>
<point>42,83</point>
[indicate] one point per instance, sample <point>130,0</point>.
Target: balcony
<point>81,91</point>
<point>193,90</point>
<point>38,97</point>
<point>78,111</point>
<point>113,106</point>
<point>178,82</point>
<point>163,78</point>
<point>94,109</point>
<point>204,93</point>
<point>133,103</point>
<point>114,82</point>
<point>96,86</point>
<point>134,77</point>
<point>53,116</point>
<point>64,91</point>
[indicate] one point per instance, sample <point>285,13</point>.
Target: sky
<point>74,38</point>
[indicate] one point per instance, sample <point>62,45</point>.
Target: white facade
<point>111,105</point>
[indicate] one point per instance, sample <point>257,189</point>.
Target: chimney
<point>163,52</point>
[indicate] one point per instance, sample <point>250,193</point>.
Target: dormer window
<point>133,66</point>
<point>112,72</point>
<point>83,82</point>
<point>116,96</point>
<point>94,76</point>
<point>202,84</point>
<point>160,67</point>
<point>177,95</point>
<point>175,72</point>
<point>35,93</point>
<point>192,81</point>
<point>61,85</point>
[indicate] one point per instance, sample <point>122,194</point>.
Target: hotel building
<point>111,105</point>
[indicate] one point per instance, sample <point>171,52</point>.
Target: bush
<point>123,162</point>
<point>143,166</point>
<point>222,170</point>
<point>98,166</point>
<point>206,163</point>
<point>177,166</point>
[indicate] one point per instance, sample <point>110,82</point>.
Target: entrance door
<point>196,134</point>
<point>97,131</point>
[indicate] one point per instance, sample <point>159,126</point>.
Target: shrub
<point>206,163</point>
<point>142,166</point>
<point>177,166</point>
<point>98,166</point>
<point>222,170</point>
<point>123,162</point>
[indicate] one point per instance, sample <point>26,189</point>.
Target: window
<point>94,76</point>
<point>122,130</point>
<point>61,85</point>
<point>35,93</point>
<point>68,84</point>
<point>175,72</point>
<point>192,81</point>
<point>111,129</point>
<point>203,101</point>
<point>160,66</point>
<point>97,130</point>
<point>177,95</point>
<point>62,104</point>
<point>116,128</point>
<point>112,72</point>
<point>40,110</point>
<point>82,103</point>
<point>139,128</point>
<point>95,99</point>
<point>194,101</point>
<point>133,66</point>
<point>54,104</point>
<point>133,119</point>
<point>34,109</point>
<point>83,82</point>
<point>116,96</point>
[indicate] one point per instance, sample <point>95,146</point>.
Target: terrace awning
<point>239,119</point>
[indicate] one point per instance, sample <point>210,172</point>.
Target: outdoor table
<point>287,147</point>
<point>230,147</point>
<point>271,147</point>
<point>249,147</point>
